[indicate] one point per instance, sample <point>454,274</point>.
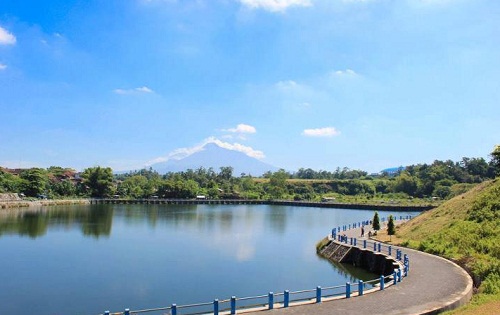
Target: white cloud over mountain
<point>181,153</point>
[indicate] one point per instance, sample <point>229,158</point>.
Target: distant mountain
<point>393,170</point>
<point>214,156</point>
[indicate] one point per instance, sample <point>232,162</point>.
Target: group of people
<point>343,237</point>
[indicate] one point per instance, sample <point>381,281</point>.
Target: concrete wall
<point>374,262</point>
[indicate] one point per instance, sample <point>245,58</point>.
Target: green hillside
<point>465,229</point>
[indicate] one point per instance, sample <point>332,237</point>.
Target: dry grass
<point>485,305</point>
<point>441,217</point>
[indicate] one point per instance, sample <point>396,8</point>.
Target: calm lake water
<point>88,259</point>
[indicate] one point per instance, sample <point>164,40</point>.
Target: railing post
<point>390,250</point>
<point>233,305</point>
<point>351,241</point>
<point>271,300</point>
<point>382,282</point>
<point>106,313</point>
<point>318,294</point>
<point>348,290</point>
<point>395,277</point>
<point>364,243</point>
<point>379,247</point>
<point>287,298</point>
<point>126,312</point>
<point>399,275</point>
<point>216,307</point>
<point>361,286</point>
<point>174,309</point>
<point>355,241</point>
<point>374,246</point>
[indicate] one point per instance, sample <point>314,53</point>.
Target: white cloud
<point>287,85</point>
<point>6,38</point>
<point>321,132</point>
<point>2,66</point>
<point>357,1</point>
<point>143,89</point>
<point>431,2</point>
<point>275,5</point>
<point>346,72</point>
<point>181,153</point>
<point>242,128</point>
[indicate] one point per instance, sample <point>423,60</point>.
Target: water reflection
<point>155,255</point>
<point>35,223</point>
<point>350,272</point>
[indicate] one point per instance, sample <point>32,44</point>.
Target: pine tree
<point>391,229</point>
<point>376,222</point>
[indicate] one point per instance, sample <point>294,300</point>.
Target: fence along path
<point>433,284</point>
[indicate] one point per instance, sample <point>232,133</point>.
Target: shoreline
<point>23,204</point>
<point>12,204</point>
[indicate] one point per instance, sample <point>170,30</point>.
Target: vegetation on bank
<point>465,229</point>
<point>412,184</point>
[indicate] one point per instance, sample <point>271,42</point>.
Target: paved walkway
<point>433,283</point>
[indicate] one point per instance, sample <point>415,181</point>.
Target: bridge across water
<point>334,205</point>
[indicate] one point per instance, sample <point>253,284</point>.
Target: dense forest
<point>441,179</point>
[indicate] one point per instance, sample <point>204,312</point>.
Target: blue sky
<point>364,84</point>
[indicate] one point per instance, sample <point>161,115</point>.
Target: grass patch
<point>465,229</point>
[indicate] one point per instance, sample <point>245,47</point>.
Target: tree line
<point>441,179</point>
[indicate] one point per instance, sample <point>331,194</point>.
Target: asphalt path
<point>433,284</point>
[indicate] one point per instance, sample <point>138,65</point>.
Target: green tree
<point>99,181</point>
<point>11,183</point>
<point>406,183</point>
<point>36,181</point>
<point>376,222</point>
<point>63,188</point>
<point>391,229</point>
<point>277,184</point>
<point>134,186</point>
<point>495,160</point>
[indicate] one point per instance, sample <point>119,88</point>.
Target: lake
<point>86,259</point>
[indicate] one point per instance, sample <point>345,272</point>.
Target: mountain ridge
<point>216,157</point>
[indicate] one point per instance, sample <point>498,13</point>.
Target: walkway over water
<point>336,205</point>
<point>434,284</point>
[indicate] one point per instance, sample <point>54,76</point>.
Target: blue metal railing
<point>286,298</point>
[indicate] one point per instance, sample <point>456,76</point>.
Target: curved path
<point>433,284</point>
